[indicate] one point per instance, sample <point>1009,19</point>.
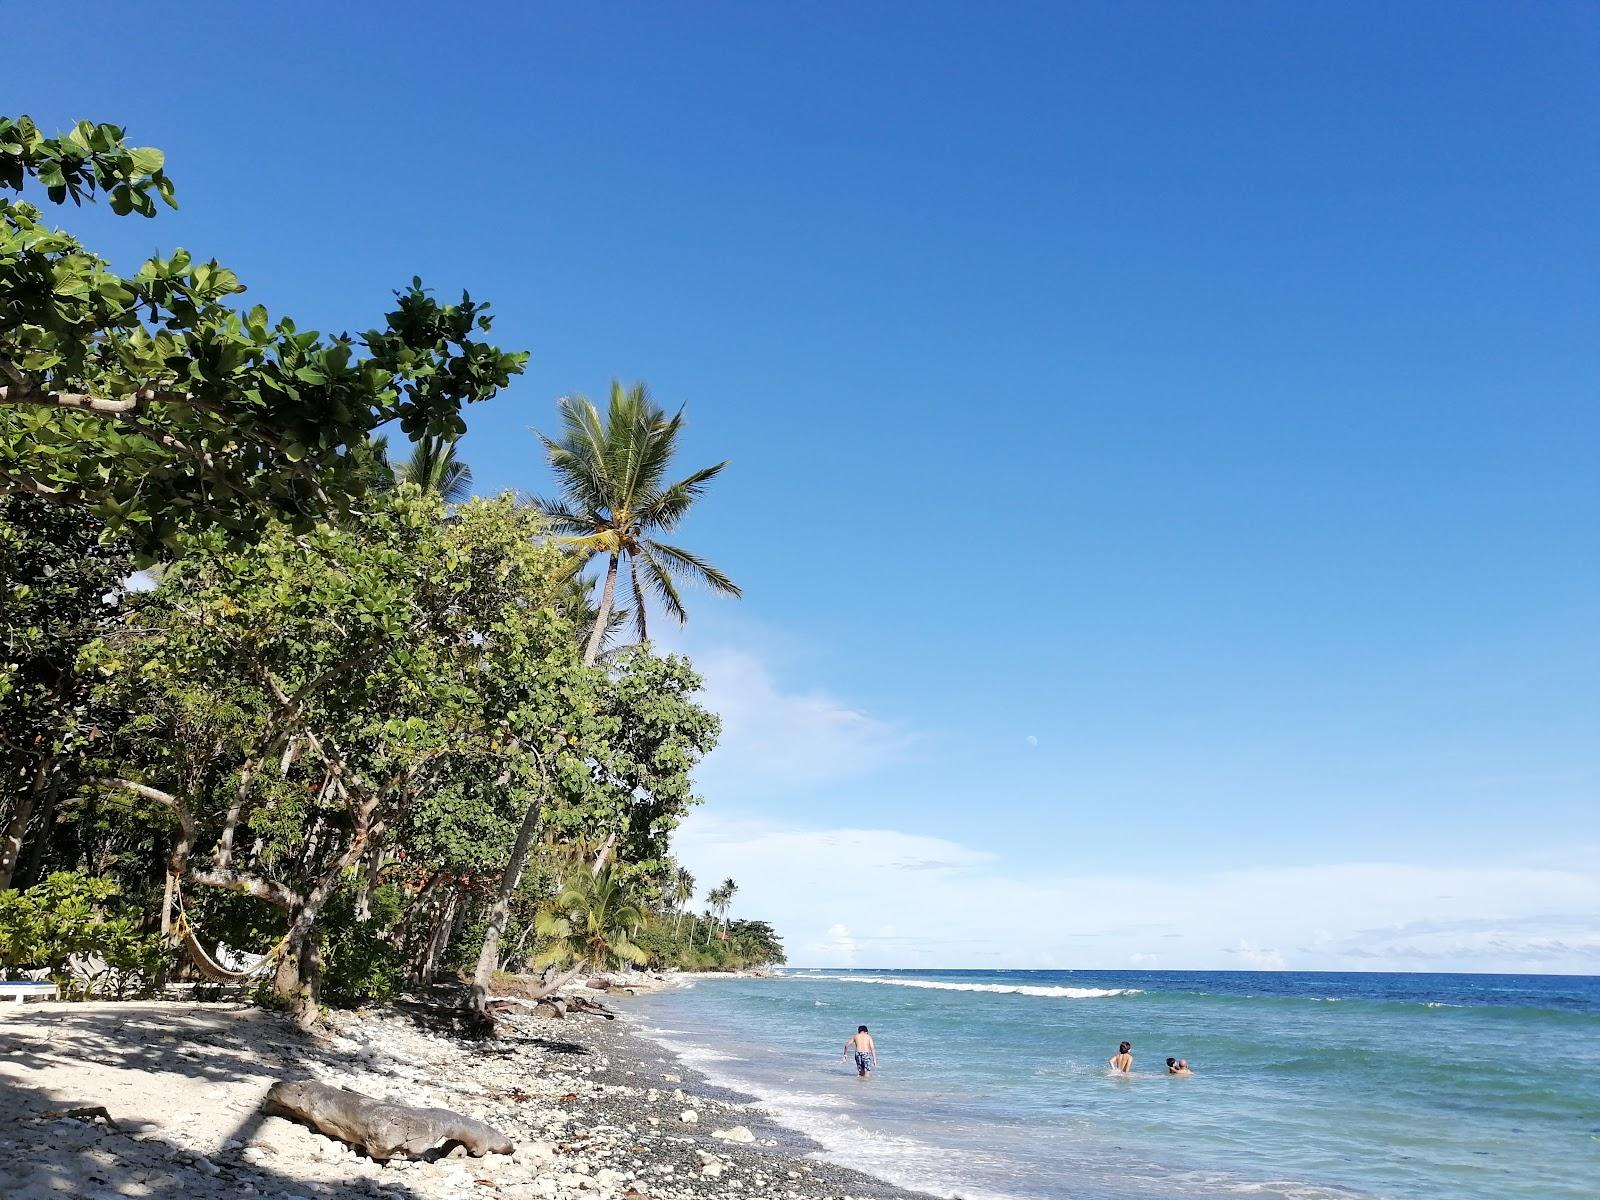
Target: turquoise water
<point>1307,1086</point>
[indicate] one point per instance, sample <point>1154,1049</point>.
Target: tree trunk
<point>551,989</point>
<point>500,911</point>
<point>298,982</point>
<point>17,827</point>
<point>31,865</point>
<point>444,916</point>
<point>603,855</point>
<point>223,856</point>
<point>167,891</point>
<point>607,598</point>
<point>369,887</point>
<point>299,979</point>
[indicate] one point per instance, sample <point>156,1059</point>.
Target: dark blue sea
<point>1306,1086</point>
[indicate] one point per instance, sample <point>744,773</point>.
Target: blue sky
<point>1165,457</point>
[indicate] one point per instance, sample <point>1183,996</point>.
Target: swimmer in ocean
<point>1122,1060</point>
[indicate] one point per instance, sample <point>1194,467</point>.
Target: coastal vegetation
<point>281,703</point>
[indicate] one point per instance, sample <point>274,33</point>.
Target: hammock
<point>241,970</point>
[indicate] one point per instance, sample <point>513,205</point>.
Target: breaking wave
<point>1015,989</point>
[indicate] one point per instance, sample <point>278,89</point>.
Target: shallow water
<point>1307,1086</point>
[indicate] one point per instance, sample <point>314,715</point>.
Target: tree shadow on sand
<point>216,1061</point>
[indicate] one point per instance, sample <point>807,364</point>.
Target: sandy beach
<point>593,1110</point>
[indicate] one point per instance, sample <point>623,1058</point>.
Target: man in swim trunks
<point>1122,1060</point>
<point>866,1053</point>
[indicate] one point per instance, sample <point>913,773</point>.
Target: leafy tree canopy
<point>152,400</point>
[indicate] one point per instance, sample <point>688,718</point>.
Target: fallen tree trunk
<point>381,1129</point>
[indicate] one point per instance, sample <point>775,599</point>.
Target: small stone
<point>688,1116</point>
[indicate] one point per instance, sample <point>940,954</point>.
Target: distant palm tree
<point>729,889</point>
<point>591,923</point>
<point>680,890</point>
<point>718,900</point>
<point>611,474</point>
<point>432,466</point>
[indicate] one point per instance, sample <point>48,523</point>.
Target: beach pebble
<point>688,1116</point>
<point>737,1134</point>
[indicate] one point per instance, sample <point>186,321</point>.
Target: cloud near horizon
<point>886,897</point>
<point>878,897</point>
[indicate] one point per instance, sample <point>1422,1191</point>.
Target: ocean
<point>1306,1086</point>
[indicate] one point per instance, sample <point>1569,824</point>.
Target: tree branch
<point>16,485</point>
<point>273,892</point>
<point>141,789</point>
<point>23,393</point>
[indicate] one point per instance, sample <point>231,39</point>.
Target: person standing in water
<point>1122,1060</point>
<point>866,1053</point>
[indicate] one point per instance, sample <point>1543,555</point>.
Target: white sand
<point>184,1082</point>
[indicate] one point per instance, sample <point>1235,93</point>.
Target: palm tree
<point>578,601</point>
<point>591,923</point>
<point>725,894</point>
<point>680,890</point>
<point>718,900</point>
<point>610,472</point>
<point>433,466</point>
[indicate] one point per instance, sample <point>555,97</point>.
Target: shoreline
<point>595,1108</point>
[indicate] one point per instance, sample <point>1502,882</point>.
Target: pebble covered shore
<point>594,1110</point>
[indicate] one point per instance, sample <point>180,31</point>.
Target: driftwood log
<point>557,1007</point>
<point>583,1004</point>
<point>383,1130</point>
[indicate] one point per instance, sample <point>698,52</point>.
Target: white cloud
<point>928,901</point>
<point>775,737</point>
<point>839,948</point>
<point>945,904</point>
<point>1256,958</point>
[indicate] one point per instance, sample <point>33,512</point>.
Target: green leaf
<point>147,160</point>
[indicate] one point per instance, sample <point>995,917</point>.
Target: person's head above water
<point>1125,1047</point>
<point>863,1029</point>
<point>1172,1062</point>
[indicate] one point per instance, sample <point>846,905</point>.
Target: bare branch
<point>270,890</point>
<point>141,789</point>
<point>18,485</point>
<point>23,393</point>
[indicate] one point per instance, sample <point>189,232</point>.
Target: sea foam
<point>1013,989</point>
